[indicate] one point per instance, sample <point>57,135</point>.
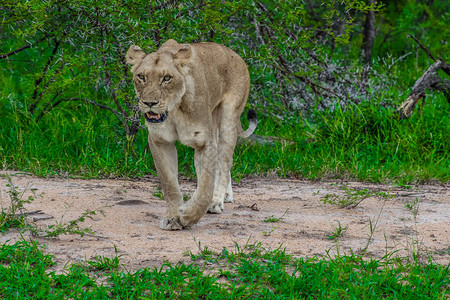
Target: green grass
<point>248,272</point>
<point>365,143</point>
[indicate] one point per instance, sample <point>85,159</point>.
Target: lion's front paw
<point>171,224</point>
<point>215,208</point>
<point>189,215</point>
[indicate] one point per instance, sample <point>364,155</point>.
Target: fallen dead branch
<point>429,80</point>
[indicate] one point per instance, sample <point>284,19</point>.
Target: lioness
<point>193,93</point>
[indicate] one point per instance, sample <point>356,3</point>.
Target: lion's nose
<point>150,104</point>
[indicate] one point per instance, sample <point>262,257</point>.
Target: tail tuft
<point>251,115</point>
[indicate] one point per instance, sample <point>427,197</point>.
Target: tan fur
<point>201,91</point>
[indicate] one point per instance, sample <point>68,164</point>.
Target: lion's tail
<point>253,121</point>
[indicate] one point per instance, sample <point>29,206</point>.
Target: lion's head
<point>159,78</point>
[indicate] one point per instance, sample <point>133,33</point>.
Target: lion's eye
<point>141,77</point>
<point>167,78</point>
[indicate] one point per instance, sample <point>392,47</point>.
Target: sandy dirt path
<point>415,218</point>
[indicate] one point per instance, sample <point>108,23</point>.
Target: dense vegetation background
<point>327,77</point>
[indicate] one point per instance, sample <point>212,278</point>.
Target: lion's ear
<point>170,44</point>
<point>184,52</point>
<point>134,55</point>
<point>178,51</point>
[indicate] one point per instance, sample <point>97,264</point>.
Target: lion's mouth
<point>154,117</point>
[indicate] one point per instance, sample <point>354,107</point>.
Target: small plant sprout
<point>15,214</point>
<point>413,207</point>
<point>268,233</point>
<point>352,197</point>
<point>337,233</point>
<point>272,219</point>
<point>158,193</point>
<point>372,228</point>
<point>68,227</point>
<point>72,226</point>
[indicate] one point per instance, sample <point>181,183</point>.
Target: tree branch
<point>445,67</point>
<point>312,84</point>
<point>39,80</point>
<point>423,47</point>
<point>22,48</point>
<point>116,113</point>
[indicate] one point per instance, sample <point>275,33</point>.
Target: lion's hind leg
<point>229,193</point>
<point>226,143</point>
<point>222,187</point>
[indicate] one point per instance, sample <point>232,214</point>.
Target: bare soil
<point>132,211</point>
